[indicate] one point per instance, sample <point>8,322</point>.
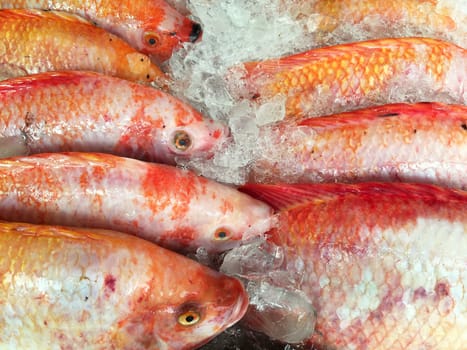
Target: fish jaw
<point>159,37</point>
<point>229,218</point>
<point>169,131</point>
<point>105,289</point>
<point>221,301</point>
<point>242,219</point>
<point>205,137</point>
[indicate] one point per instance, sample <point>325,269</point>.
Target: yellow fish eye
<point>221,234</point>
<point>151,38</point>
<point>182,140</point>
<point>189,318</point>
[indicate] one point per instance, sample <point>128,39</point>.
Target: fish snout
<point>217,136</point>
<point>234,298</point>
<point>196,32</point>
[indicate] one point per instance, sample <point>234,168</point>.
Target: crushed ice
<point>208,74</point>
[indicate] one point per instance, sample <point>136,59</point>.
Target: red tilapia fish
<point>172,207</point>
<point>33,41</point>
<point>82,111</point>
<point>361,74</point>
<point>444,19</point>
<point>151,26</point>
<point>423,142</point>
<point>384,265</point>
<point>67,288</point>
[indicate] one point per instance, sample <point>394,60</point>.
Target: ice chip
<point>282,314</point>
<point>256,258</point>
<point>271,111</point>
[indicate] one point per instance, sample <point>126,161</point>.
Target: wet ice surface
<point>208,76</point>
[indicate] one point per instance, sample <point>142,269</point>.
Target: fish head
<point>185,133</point>
<point>230,219</point>
<point>160,37</point>
<point>216,217</point>
<point>194,304</point>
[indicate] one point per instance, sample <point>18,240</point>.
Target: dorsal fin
<point>28,14</point>
<point>286,196</point>
<point>415,110</point>
<point>362,48</point>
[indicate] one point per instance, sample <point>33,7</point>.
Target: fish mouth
<point>239,309</point>
<point>196,32</point>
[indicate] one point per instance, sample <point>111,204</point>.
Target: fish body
<point>169,206</point>
<point>357,75</point>
<point>422,142</point>
<point>83,111</point>
<point>384,265</point>
<point>442,19</point>
<point>34,41</point>
<point>151,26</point>
<point>67,288</point>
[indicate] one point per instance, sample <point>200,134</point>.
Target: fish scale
<point>136,21</point>
<point>358,74</point>
<point>169,206</point>
<point>84,111</point>
<point>33,41</point>
<point>351,20</point>
<point>384,263</point>
<point>64,288</point>
<point>421,142</point>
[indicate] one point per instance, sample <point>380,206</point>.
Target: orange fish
<point>373,19</point>
<point>151,26</point>
<point>33,41</point>
<point>384,265</point>
<point>169,206</point>
<point>66,288</point>
<point>83,111</point>
<point>423,142</point>
<point>360,74</point>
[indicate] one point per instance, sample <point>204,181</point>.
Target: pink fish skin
<point>422,142</point>
<point>84,111</point>
<point>172,207</point>
<point>381,18</point>
<point>70,288</point>
<point>34,41</point>
<point>152,26</point>
<point>384,265</point>
<point>361,74</point>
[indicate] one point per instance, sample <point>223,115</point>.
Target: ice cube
<point>283,314</point>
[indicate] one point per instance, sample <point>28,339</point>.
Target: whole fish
<point>361,74</point>
<point>151,26</point>
<point>33,41</point>
<point>82,111</point>
<point>331,19</point>
<point>172,207</point>
<point>384,265</point>
<point>66,288</point>
<point>423,142</point>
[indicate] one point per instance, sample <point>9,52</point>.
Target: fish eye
<point>189,318</point>
<point>182,140</point>
<point>221,234</point>
<point>151,38</point>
